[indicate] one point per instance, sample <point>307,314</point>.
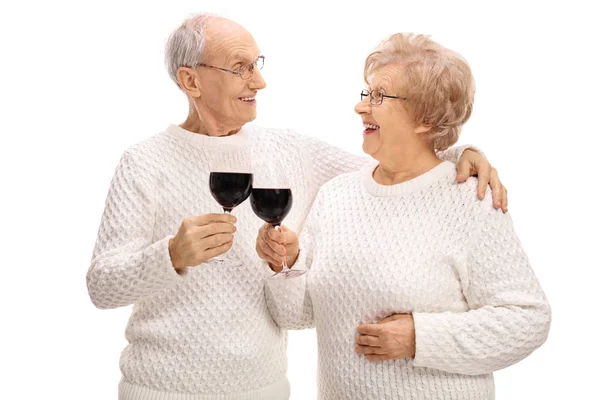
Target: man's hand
<point>472,163</point>
<point>274,246</point>
<point>201,238</point>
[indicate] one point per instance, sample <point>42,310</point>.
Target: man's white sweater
<point>205,333</point>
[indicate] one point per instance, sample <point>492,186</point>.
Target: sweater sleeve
<point>126,265</point>
<point>327,161</point>
<point>454,153</point>
<point>289,300</point>
<point>509,315</point>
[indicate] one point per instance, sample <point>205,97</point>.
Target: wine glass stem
<point>226,210</point>
<point>284,263</point>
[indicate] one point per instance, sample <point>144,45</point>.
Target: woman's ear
<point>421,128</point>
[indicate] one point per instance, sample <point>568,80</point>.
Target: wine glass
<point>271,201</point>
<point>230,179</point>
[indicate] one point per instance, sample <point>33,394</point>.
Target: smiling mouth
<point>370,128</point>
<point>248,100</point>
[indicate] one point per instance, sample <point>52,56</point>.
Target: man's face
<point>228,99</point>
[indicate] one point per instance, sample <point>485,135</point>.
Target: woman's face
<point>388,126</point>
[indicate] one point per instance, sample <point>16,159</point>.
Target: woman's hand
<point>274,246</point>
<point>474,164</point>
<point>392,338</point>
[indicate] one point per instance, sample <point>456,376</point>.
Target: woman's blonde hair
<point>436,81</point>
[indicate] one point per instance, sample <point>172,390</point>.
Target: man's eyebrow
<point>243,59</point>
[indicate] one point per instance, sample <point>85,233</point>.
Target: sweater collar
<point>239,139</point>
<point>441,171</point>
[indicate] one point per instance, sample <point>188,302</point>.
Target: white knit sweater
<point>428,247</point>
<point>205,334</point>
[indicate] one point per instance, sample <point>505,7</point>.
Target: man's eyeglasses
<point>245,71</point>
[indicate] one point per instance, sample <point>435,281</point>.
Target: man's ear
<point>189,82</point>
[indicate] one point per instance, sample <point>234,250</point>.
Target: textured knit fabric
<point>428,247</point>
<point>205,333</point>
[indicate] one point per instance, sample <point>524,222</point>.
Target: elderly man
<point>200,327</point>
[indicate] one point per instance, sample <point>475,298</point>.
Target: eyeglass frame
<point>238,71</point>
<point>364,93</point>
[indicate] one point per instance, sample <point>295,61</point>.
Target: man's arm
<point>126,265</point>
<point>327,161</point>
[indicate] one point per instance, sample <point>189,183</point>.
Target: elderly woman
<point>417,289</point>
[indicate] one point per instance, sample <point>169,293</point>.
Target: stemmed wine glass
<point>271,201</point>
<point>230,178</point>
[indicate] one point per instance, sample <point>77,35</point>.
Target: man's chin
<point>248,117</point>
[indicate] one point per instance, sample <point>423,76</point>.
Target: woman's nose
<point>363,107</point>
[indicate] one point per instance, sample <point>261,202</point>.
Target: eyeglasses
<point>376,96</point>
<point>245,71</point>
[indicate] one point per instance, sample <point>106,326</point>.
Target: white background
<point>80,82</point>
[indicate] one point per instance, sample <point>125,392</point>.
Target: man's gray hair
<point>185,46</point>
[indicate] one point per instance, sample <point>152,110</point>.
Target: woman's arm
<point>289,300</point>
<point>509,317</point>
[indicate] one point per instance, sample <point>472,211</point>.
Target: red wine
<point>271,205</point>
<point>230,189</point>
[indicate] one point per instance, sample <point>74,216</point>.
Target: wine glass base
<point>226,259</point>
<point>288,274</point>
